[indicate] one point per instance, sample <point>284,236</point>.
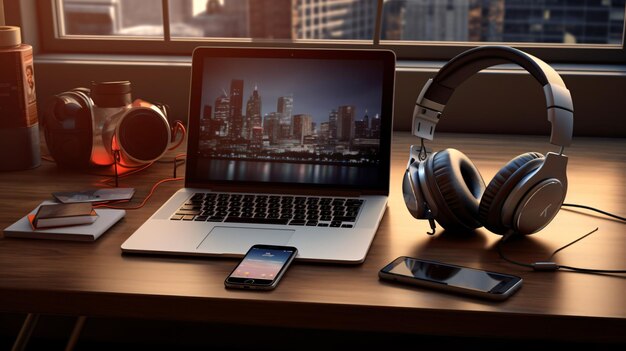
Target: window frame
<point>51,41</point>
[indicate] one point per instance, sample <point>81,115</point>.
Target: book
<point>86,232</point>
<point>59,215</point>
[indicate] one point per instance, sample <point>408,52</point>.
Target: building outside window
<point>540,21</point>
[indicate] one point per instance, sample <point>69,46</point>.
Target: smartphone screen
<point>451,277</point>
<point>262,267</point>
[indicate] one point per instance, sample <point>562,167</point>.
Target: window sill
<point>402,65</point>
<point>99,59</point>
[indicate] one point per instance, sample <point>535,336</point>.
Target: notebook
<point>285,147</point>
<point>89,232</point>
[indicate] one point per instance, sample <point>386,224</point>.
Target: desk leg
<point>78,327</point>
<point>27,330</point>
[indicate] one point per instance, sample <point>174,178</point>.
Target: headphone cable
<point>597,210</point>
<point>502,256</point>
<point>553,266</point>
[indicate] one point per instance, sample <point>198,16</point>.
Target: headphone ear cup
<point>456,186</point>
<point>67,129</point>
<point>411,192</point>
<point>499,188</point>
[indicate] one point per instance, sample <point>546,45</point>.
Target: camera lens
<point>143,134</point>
<point>111,94</point>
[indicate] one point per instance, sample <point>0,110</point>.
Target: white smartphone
<point>262,267</point>
<point>453,278</point>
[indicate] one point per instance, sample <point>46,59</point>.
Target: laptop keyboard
<point>270,209</point>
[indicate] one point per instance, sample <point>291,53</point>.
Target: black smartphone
<point>262,267</point>
<point>453,278</point>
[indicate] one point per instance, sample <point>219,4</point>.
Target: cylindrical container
<point>19,127</point>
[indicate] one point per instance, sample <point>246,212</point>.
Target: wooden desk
<point>95,279</point>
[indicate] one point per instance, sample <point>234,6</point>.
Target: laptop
<point>285,147</point>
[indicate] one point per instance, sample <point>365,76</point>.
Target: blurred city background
<point>534,21</point>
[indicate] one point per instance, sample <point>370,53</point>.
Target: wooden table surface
<point>95,279</point>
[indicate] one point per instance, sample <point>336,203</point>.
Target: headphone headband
<point>438,90</point>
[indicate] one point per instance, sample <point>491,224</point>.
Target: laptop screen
<point>306,118</point>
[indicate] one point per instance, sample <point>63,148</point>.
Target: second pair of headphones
<point>103,125</point>
<point>525,195</point>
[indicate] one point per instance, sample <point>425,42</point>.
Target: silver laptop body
<point>285,147</point>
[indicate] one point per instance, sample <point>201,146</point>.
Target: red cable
<point>145,199</point>
<point>123,175</point>
<point>110,202</point>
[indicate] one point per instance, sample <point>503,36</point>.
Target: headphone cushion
<point>490,210</point>
<point>459,186</point>
<point>67,128</point>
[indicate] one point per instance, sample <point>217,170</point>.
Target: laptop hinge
<point>282,190</point>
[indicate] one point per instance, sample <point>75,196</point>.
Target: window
<point>106,18</point>
<point>583,30</point>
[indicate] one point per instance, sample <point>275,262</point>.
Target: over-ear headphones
<point>102,125</point>
<point>525,195</point>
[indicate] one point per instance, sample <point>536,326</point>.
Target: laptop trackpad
<point>238,240</point>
